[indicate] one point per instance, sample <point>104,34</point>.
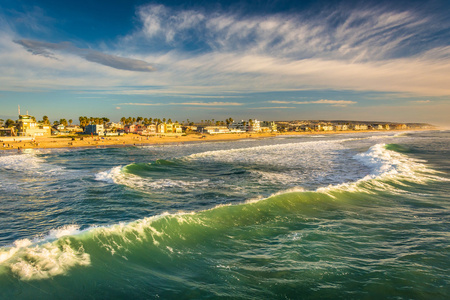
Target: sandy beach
<point>137,140</point>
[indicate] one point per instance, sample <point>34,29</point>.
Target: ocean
<point>349,216</point>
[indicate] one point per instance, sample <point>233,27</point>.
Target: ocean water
<point>351,216</point>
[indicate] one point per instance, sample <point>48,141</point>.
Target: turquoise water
<point>347,216</point>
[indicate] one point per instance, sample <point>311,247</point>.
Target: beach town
<point>28,132</point>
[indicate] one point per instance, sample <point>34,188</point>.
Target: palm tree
<point>45,120</point>
<point>123,120</point>
<point>9,123</point>
<point>70,121</point>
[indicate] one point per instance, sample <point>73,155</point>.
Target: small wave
<point>110,176</point>
<point>117,175</point>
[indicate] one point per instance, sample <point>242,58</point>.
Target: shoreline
<point>137,140</point>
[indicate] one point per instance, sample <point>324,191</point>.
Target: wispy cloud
<point>209,103</point>
<point>142,104</point>
<point>46,49</point>
<point>348,33</point>
<point>200,54</point>
<point>422,101</point>
<point>186,104</point>
<point>341,103</point>
<point>274,107</point>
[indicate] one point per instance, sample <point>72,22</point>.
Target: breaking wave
<point>66,248</point>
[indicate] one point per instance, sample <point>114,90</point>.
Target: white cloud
<point>274,107</point>
<point>280,52</point>
<point>209,103</point>
<point>187,104</point>
<point>321,101</point>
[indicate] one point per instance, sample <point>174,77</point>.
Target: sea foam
<point>44,257</point>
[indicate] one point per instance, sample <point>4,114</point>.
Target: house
<point>272,126</point>
<point>377,126</point>
<point>114,126</point>
<point>401,126</point>
<point>341,127</point>
<point>74,129</point>
<point>189,128</point>
<point>161,128</point>
<point>130,128</point>
<point>177,128</point>
<point>94,129</point>
<point>360,127</point>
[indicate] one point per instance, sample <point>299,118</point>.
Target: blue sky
<point>270,60</point>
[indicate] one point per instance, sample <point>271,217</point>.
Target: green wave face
<point>398,148</point>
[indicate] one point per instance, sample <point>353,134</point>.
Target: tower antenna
<point>19,110</point>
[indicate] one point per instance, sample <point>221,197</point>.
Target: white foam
<point>28,162</point>
<point>44,257</point>
<point>279,155</point>
<point>386,165</point>
<point>110,176</point>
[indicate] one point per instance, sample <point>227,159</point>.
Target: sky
<point>198,60</point>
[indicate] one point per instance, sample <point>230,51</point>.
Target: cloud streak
<point>121,63</point>
<point>186,104</point>
<point>342,103</point>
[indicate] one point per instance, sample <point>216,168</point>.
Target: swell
<point>163,235</point>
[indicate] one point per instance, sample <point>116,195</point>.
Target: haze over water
<point>292,217</point>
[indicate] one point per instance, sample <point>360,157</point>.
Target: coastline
<point>137,140</point>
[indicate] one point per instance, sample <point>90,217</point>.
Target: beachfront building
<point>213,129</point>
<point>360,127</point>
<point>189,128</point>
<point>400,126</point>
<point>161,128</point>
<point>27,126</point>
<point>94,129</point>
<point>341,127</point>
<point>130,128</point>
<point>177,128</point>
<point>246,126</point>
<point>173,128</point>
<point>112,126</point>
<point>7,132</point>
<point>268,126</point>
<point>74,129</point>
<point>327,127</point>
